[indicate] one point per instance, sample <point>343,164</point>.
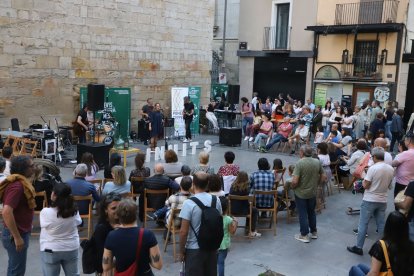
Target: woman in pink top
<point>264,131</point>
<point>404,163</point>
<point>247,113</point>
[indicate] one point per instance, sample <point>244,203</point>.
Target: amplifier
<point>230,136</point>
<point>43,134</point>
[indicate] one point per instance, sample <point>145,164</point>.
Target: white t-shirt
<point>57,233</point>
<point>387,159</point>
<point>325,160</point>
<point>380,175</point>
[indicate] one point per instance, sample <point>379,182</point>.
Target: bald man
<point>382,143</point>
<point>159,181</point>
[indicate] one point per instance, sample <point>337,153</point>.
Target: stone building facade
<point>49,49</point>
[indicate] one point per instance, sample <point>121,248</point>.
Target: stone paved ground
<point>282,253</point>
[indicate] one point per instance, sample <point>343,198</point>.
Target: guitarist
<point>81,124</point>
<point>188,113</point>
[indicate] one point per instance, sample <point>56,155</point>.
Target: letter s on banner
<point>207,146</point>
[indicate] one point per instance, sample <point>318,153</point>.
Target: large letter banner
<point>177,106</point>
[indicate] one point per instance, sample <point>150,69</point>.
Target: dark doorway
<point>409,100</point>
<point>280,74</point>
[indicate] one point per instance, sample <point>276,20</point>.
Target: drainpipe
<point>223,63</point>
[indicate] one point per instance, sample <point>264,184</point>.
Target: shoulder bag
<point>359,172</point>
<point>133,268</point>
<point>387,261</point>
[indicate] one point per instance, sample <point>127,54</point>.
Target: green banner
<point>320,94</point>
<point>194,93</point>
<point>118,102</point>
<point>217,90</point>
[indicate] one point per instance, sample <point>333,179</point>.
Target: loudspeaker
<point>96,96</point>
<point>230,136</point>
<point>233,94</point>
<point>99,151</point>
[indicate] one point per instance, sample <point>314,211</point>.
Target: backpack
<point>211,231</point>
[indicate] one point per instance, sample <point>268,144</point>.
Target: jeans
<point>276,139</point>
<point>396,137</point>
<point>51,262</point>
<point>17,260</point>
<point>221,257</point>
<point>307,215</point>
<point>259,137</point>
<point>359,270</point>
<point>160,213</point>
<point>368,210</point>
<point>246,121</point>
<point>388,129</point>
<point>327,131</point>
<point>212,118</point>
<point>411,229</point>
<point>188,128</point>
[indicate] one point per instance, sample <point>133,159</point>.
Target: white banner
<point>177,106</point>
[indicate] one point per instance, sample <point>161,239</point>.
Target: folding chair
<point>147,208</point>
<point>272,210</point>
<point>98,183</point>
<point>29,147</point>
<point>87,216</point>
<point>37,212</point>
<point>137,185</point>
<point>172,229</point>
<point>250,200</point>
<point>334,170</point>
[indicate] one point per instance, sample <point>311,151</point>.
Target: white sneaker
<point>250,139</point>
<point>255,234</point>
<point>185,140</point>
<point>301,238</point>
<point>246,138</point>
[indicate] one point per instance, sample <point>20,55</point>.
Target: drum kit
<point>105,130</point>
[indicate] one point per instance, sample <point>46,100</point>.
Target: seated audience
<point>139,171</point>
<point>263,180</point>
<point>240,187</point>
<point>229,171</point>
<point>87,159</point>
<point>185,171</point>
<point>214,185</point>
<point>203,157</point>
<point>283,131</point>
<point>277,167</point>
<point>2,168</point>
<point>171,165</point>
<point>287,188</point>
<point>252,129</point>
<point>81,187</point>
<point>114,160</point>
<point>120,184</point>
<point>353,161</point>
<point>301,134</point>
<point>264,131</point>
<point>41,184</point>
<point>7,153</point>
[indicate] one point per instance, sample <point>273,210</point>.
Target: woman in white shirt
<point>59,238</point>
<point>120,184</point>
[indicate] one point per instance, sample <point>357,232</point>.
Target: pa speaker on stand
<point>96,96</point>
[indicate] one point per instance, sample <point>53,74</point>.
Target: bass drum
<point>108,140</point>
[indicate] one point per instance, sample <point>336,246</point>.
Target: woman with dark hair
<point>277,167</point>
<point>214,185</point>
<point>114,160</point>
<point>247,113</point>
<point>59,238</point>
<point>108,221</point>
<point>400,250</point>
<point>123,243</point>
<point>337,116</point>
<point>240,187</point>
<point>139,171</point>
<point>172,166</point>
<point>87,158</point>
<point>229,171</point>
<point>264,131</point>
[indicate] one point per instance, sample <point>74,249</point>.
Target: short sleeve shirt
<point>192,213</point>
<point>410,192</point>
<point>225,243</point>
<point>123,244</point>
<point>404,172</point>
<point>345,141</point>
<point>188,107</point>
<point>309,171</point>
<point>380,175</point>
<point>14,197</point>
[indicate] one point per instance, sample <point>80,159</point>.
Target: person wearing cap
<point>81,187</point>
<point>301,133</point>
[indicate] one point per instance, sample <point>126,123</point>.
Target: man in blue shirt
<point>263,180</point>
<point>81,187</point>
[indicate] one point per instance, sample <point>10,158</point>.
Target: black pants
<point>188,128</point>
<point>396,137</point>
<point>200,263</point>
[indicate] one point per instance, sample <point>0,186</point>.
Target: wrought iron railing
<point>276,38</point>
<point>362,67</point>
<point>373,12</point>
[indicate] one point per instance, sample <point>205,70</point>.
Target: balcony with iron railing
<point>276,38</point>
<point>362,67</point>
<point>374,12</point>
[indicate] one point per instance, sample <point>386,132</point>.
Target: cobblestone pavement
<point>281,253</point>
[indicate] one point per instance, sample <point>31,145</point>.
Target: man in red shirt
<point>18,197</point>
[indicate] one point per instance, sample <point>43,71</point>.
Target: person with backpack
<point>201,230</point>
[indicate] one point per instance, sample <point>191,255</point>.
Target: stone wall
<point>49,49</point>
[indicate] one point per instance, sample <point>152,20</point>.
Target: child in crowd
<point>287,189</point>
<point>381,134</point>
<point>318,136</point>
<point>277,167</point>
<point>175,201</point>
<point>229,227</point>
<point>334,137</point>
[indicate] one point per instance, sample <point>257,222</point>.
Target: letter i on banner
<point>184,149</point>
<point>193,146</point>
<point>148,155</point>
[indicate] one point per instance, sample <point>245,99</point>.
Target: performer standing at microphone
<point>188,113</point>
<point>155,125</point>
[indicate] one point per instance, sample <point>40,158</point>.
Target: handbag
<point>133,268</point>
<point>360,169</point>
<point>400,198</point>
<point>387,260</point>
<point>89,255</point>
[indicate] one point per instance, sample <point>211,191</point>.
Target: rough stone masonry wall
<point>48,49</point>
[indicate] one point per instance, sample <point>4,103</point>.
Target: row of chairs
<point>23,146</point>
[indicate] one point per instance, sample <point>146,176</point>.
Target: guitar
<point>78,129</point>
